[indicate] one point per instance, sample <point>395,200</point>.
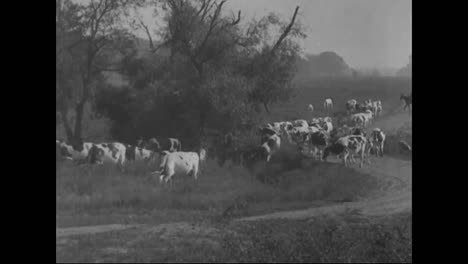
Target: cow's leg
<point>381,149</point>
<point>195,171</point>
<point>345,157</point>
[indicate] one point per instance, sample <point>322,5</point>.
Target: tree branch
<point>214,18</point>
<point>207,9</point>
<point>285,33</point>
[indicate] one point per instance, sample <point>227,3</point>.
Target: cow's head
<point>153,145</point>
<point>202,154</point>
<point>95,155</point>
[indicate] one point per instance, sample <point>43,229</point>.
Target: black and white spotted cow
<point>108,153</point>
<point>77,151</point>
<point>346,147</point>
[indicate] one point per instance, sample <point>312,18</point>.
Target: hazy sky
<point>366,33</point>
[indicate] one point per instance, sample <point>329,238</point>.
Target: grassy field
<point>89,195</point>
<point>101,195</point>
<point>329,239</point>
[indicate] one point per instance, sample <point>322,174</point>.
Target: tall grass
<point>222,191</point>
<point>347,238</point>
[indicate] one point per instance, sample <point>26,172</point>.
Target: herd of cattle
<point>317,136</point>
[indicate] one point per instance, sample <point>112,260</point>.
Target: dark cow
<point>265,133</point>
<point>378,138</point>
<point>319,141</point>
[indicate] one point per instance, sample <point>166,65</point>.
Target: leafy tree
<point>87,37</point>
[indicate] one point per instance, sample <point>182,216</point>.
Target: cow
<point>361,108</point>
<point>358,120</point>
<point>359,146</point>
<point>362,119</point>
<point>377,105</point>
<point>328,104</point>
<point>265,133</point>
<point>300,123</point>
<point>136,153</point>
<point>180,164</point>
<point>351,105</point>
<point>408,101</point>
<point>77,151</point>
<point>347,146</point>
<point>112,153</point>
<point>270,147</point>
<point>327,125</point>
<point>357,131</point>
<point>318,140</point>
<point>166,144</point>
<point>378,138</point>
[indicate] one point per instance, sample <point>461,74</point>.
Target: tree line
<point>203,70</point>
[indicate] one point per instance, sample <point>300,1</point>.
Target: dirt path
<point>82,230</point>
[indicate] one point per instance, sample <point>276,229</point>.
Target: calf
<point>180,164</point>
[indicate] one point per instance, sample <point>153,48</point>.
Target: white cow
<point>328,104</point>
<point>180,164</point>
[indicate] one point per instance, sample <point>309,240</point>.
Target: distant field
<point>386,89</point>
